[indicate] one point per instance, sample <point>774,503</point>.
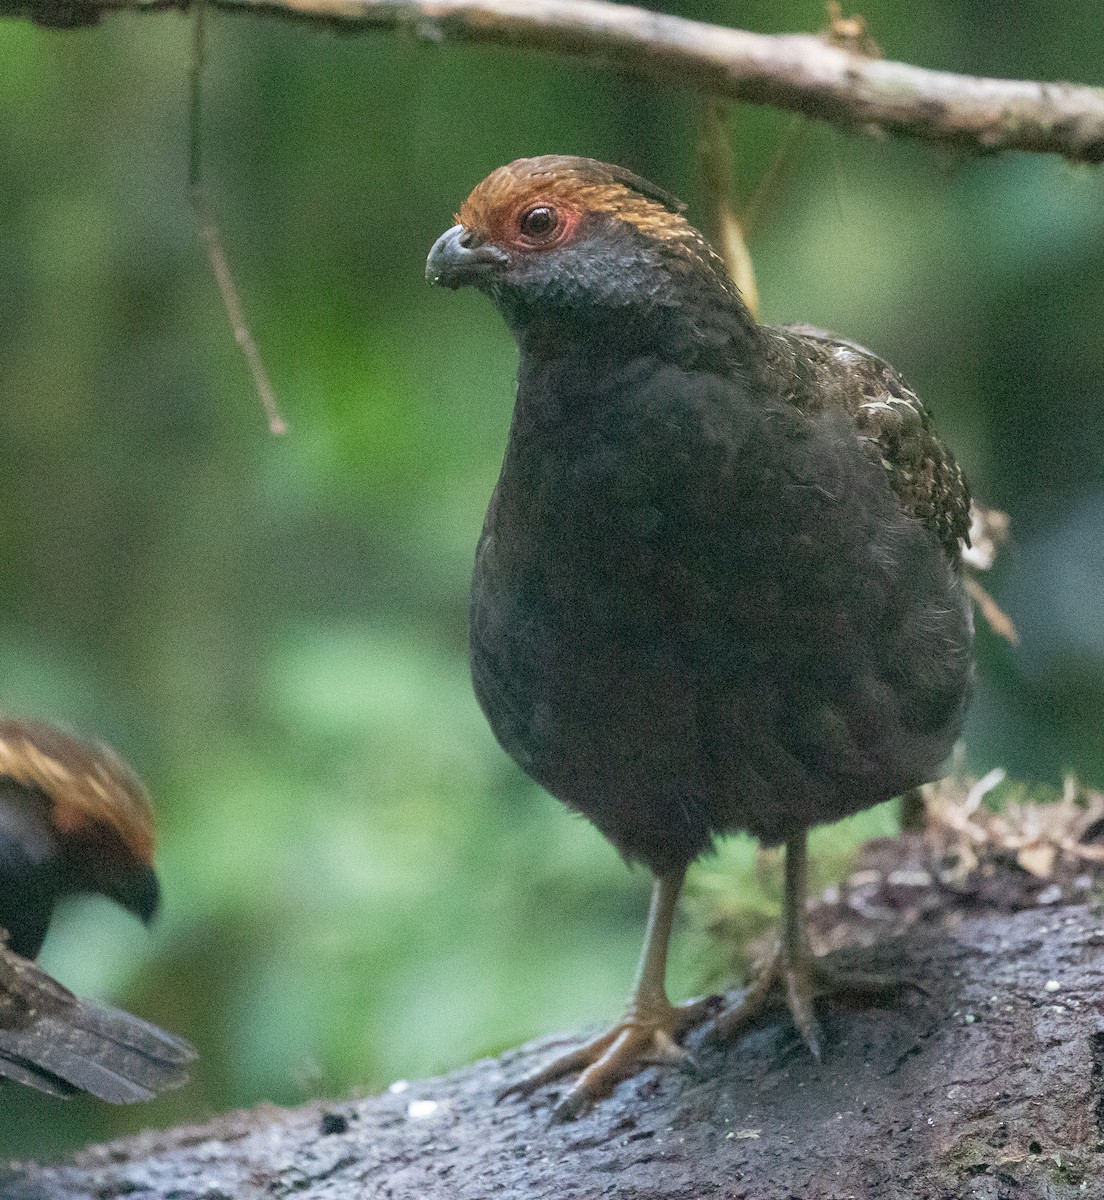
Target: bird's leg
<point>648,1033</point>
<point>793,970</point>
<point>913,811</point>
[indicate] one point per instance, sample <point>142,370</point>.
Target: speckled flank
<point>889,415</point>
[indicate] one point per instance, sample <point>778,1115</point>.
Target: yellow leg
<point>648,1033</point>
<point>792,969</point>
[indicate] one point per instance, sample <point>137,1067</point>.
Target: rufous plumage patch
<point>85,783</point>
<point>577,186</point>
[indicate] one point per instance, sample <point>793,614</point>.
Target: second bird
<point>718,586</point>
<point>73,819</point>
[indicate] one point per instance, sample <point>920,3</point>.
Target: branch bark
<point>800,73</point>
<point>991,1086</point>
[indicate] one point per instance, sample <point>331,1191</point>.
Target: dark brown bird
<point>718,586</point>
<point>73,818</point>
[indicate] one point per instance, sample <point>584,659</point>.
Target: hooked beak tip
<point>452,263</point>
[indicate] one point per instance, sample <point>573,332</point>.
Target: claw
<point>796,973</point>
<point>574,1105</point>
<point>643,1038</point>
<point>563,1064</point>
<point>665,1050</point>
<point>797,978</point>
<point>649,1033</point>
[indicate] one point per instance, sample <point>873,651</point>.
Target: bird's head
<point>96,807</point>
<point>557,233</point>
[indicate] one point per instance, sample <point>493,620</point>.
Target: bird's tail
<point>64,1045</point>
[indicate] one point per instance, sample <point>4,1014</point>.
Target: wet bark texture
<point>989,1088</point>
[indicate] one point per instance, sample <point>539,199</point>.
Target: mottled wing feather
<point>59,1044</point>
<point>890,417</point>
<point>27,992</point>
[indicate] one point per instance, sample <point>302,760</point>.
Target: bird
<point>718,586</point>
<point>74,818</point>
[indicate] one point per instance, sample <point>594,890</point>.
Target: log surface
<point>989,1088</point>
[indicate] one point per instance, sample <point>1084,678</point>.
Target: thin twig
<point>717,179</point>
<point>990,531</point>
<point>195,95</point>
<point>797,72</point>
<point>850,33</point>
<point>995,616</point>
<point>774,177</point>
<point>212,239</point>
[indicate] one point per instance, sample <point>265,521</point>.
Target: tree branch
<point>800,73</point>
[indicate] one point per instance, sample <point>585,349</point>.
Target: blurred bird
<point>718,586</point>
<point>73,818</point>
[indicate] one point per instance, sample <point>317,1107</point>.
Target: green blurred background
<point>359,885</point>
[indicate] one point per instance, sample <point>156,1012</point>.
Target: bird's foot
<point>649,1034</point>
<point>798,978</point>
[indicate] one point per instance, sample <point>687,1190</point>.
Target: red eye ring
<point>538,223</point>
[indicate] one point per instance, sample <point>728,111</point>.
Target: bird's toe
<point>641,1040</point>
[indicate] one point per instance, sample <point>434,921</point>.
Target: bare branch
<point>800,73</point>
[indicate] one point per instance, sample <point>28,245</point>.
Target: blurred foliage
<point>359,885</point>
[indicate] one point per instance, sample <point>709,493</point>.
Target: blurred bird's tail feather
<point>112,1055</point>
<point>59,1044</point>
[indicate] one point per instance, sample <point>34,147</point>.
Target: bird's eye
<point>538,223</point>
